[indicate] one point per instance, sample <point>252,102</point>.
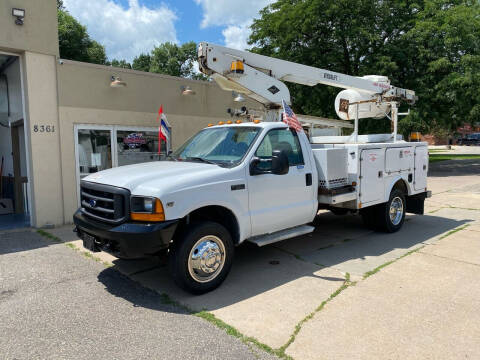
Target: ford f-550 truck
<point>261,182</point>
<point>257,181</point>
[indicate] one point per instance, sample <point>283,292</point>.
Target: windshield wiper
<point>198,158</point>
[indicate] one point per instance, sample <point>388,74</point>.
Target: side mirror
<point>278,164</point>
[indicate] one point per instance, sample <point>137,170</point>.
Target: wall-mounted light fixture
<point>186,90</point>
<point>237,97</point>
<point>19,14</point>
<point>117,82</point>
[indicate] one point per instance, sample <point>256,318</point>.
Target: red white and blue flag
<point>163,129</point>
<point>289,118</point>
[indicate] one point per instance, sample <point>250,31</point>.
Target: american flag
<point>289,118</point>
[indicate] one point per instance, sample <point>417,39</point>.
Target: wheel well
<point>215,213</point>
<point>400,185</point>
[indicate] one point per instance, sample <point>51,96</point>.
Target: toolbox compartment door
<point>372,162</point>
<point>399,159</point>
<point>421,168</point>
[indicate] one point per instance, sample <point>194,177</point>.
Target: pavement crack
<point>347,283</point>
<point>378,268</point>
<point>448,258</point>
<point>451,232</point>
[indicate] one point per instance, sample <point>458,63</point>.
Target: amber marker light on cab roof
<point>238,122</point>
<point>229,122</point>
<point>237,67</point>
<point>209,125</point>
<point>221,122</point>
<point>256,121</point>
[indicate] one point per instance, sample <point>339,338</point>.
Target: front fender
<point>218,194</point>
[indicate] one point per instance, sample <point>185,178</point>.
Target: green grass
<point>73,247</point>
<point>438,150</point>
<point>378,268</point>
<point>442,157</point>
<point>453,231</point>
<point>48,235</point>
<point>281,351</point>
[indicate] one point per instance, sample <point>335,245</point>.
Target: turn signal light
<point>157,215</point>
<point>237,67</point>
<point>354,183</point>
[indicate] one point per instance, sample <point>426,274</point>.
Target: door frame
<point>26,132</point>
<point>113,140</point>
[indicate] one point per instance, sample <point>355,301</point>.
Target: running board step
<point>263,240</point>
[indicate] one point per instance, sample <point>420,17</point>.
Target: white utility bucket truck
<point>256,181</point>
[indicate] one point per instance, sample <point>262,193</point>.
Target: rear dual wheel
<point>388,217</point>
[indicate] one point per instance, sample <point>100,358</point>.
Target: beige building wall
<point>85,97</point>
<point>39,31</point>
<point>41,108</point>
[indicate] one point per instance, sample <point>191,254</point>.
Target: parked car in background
<point>470,139</point>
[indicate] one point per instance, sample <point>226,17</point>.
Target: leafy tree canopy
<point>74,41</point>
<point>171,59</point>
<point>142,62</point>
<point>119,63</point>
<point>429,46</point>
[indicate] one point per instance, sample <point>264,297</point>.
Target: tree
<point>446,67</point>
<point>429,46</point>
<point>119,63</point>
<point>142,62</point>
<point>74,41</point>
<point>171,59</point>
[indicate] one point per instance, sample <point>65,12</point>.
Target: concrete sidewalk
<point>424,306</point>
<point>414,306</point>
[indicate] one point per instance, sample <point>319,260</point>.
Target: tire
<point>391,215</point>
<point>338,211</point>
<point>214,242</point>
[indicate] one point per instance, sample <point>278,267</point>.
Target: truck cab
<point>228,183</point>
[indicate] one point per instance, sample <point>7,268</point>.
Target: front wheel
<point>201,257</point>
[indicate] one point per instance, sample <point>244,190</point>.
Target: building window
<point>101,147</point>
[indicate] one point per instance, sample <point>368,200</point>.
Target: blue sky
<point>129,27</point>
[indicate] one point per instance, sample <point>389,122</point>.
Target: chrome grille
<point>104,202</point>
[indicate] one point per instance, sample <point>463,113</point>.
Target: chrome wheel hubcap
<point>396,210</point>
<point>206,259</point>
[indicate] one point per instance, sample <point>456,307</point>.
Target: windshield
<point>224,146</point>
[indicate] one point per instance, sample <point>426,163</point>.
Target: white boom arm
<point>263,76</point>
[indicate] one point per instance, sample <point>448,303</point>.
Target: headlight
<point>146,209</point>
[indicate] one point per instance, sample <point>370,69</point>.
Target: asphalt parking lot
<point>341,292</point>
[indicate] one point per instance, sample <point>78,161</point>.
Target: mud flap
<point>415,203</point>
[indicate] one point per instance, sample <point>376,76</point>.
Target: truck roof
<point>263,125</point>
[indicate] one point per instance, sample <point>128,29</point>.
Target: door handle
<point>308,179</point>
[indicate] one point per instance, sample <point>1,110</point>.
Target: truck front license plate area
<point>89,242</point>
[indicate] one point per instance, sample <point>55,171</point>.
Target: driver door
<point>278,202</point>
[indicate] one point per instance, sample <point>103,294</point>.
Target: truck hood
<point>159,177</point>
